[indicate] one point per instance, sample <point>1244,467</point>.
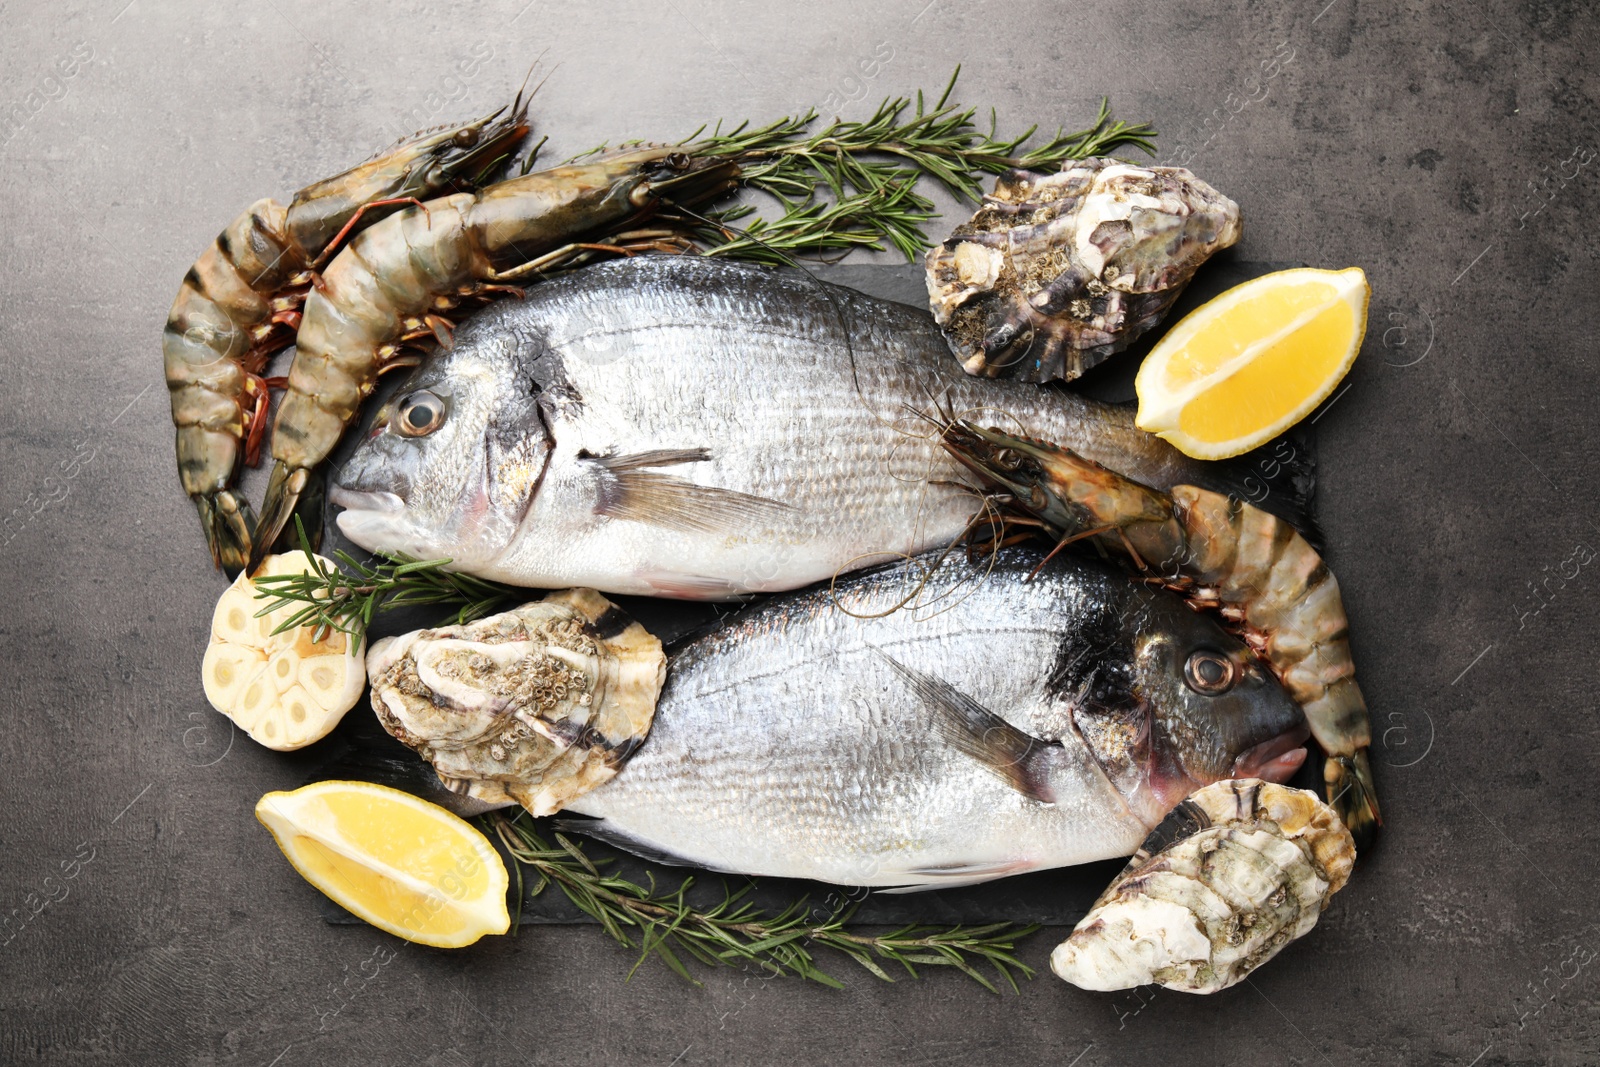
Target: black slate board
<point>359,749</point>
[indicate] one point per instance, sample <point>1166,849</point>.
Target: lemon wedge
<point>1245,367</point>
<point>402,864</point>
<point>285,690</point>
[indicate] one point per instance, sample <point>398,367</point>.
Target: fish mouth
<point>368,500</point>
<point>1276,760</point>
<point>376,520</point>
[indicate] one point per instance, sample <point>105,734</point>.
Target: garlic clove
<point>227,669</point>
<point>284,669</point>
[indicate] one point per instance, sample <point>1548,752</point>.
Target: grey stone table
<point>150,920</point>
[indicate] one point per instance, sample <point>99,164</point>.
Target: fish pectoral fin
<point>659,457</point>
<point>1017,758</point>
<point>628,491</point>
<point>955,875</point>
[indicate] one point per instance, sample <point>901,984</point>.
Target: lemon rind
<point>1348,284</point>
<point>493,918</point>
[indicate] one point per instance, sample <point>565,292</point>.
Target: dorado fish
<point>923,725</point>
<point>700,429</point>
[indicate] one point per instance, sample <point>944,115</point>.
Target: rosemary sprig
<point>869,170</point>
<point>860,220</point>
<point>667,926</point>
<point>347,596</point>
<point>943,143</point>
<point>854,184</point>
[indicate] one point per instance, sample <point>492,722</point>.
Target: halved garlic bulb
<point>285,690</point>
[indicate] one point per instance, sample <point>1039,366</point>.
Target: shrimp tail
<point>228,521</point>
<point>283,497</point>
<point>1353,794</point>
<point>304,515</point>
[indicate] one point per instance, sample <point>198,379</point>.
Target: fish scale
<point>799,412</point>
<point>789,743</point>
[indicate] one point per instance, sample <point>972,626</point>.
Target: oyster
<point>536,706</point>
<point>1058,271</point>
<point>1237,871</point>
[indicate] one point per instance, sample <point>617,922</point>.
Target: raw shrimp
<point>240,302</point>
<point>388,286</point>
<point>1252,567</point>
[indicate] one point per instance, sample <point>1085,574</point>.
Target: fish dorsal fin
<point>1017,758</point>
<point>629,491</point>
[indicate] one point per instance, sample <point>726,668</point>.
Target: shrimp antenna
<point>520,111</point>
<point>519,104</point>
<point>937,419</point>
<point>746,234</point>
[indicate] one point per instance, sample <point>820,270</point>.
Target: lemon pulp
<point>397,861</point>
<point>1251,363</point>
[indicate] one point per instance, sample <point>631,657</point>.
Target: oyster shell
<point>1058,271</point>
<point>1237,871</point>
<point>535,706</point>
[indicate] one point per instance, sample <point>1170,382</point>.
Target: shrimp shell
<point>240,300</point>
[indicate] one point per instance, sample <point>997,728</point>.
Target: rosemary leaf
<point>843,184</point>
<point>348,595</point>
<point>733,932</point>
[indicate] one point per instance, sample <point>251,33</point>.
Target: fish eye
<point>466,138</point>
<point>1210,673</point>
<point>417,414</point>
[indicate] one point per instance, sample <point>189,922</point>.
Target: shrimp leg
<point>240,302</point>
<point>1252,567</point>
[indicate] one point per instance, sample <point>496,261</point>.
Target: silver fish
<point>991,726</point>
<point>676,426</point>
